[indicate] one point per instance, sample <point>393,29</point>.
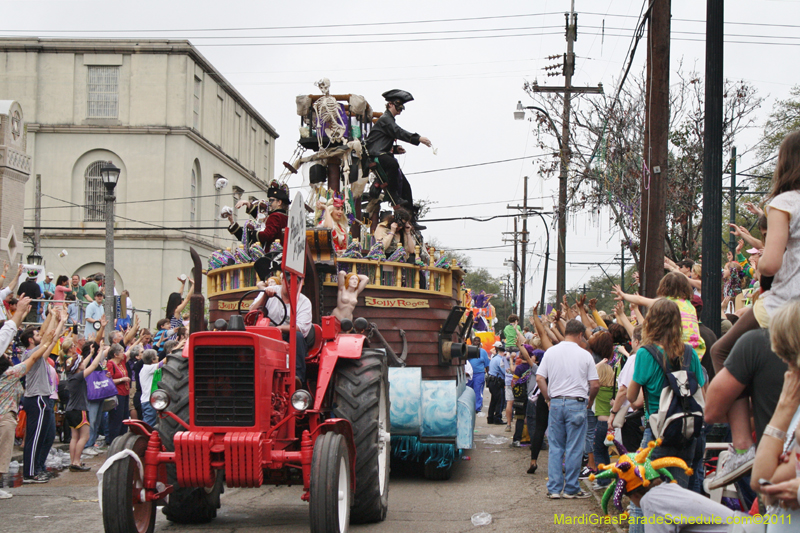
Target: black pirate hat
<point>398,95</point>
<point>278,191</point>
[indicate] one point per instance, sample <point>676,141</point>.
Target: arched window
<point>194,191</point>
<point>193,200</point>
<point>94,193</point>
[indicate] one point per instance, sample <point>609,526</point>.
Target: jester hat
<point>634,470</point>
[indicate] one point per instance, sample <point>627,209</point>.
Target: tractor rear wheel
<point>122,485</point>
<point>361,395</point>
<point>188,505</point>
<point>329,505</point>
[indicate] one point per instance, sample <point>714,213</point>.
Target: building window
<point>94,197</point>
<point>103,96</point>
<point>237,136</point>
<point>266,161</point>
<point>198,88</point>
<point>216,212</point>
<point>193,199</point>
<point>221,119</point>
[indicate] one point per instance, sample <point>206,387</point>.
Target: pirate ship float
<point>410,308</point>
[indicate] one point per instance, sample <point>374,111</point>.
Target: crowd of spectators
<point>605,381</point>
<point>52,349</point>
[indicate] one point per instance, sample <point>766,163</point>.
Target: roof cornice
<point>132,46</point>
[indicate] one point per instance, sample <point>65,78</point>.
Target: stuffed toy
<point>634,470</point>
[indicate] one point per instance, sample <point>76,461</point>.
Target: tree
<point>784,119</point>
<point>607,163</point>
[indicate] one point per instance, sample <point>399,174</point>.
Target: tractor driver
<point>275,310</point>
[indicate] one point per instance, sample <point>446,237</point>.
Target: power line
<point>476,219</point>
<point>315,26</point>
<point>476,164</point>
<point>383,34</point>
<point>701,21</point>
<point>369,24</point>
<point>486,203</point>
<point>156,226</point>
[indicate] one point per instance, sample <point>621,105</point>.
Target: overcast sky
<point>466,74</point>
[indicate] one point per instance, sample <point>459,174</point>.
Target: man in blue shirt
<point>496,382</point>
<point>94,312</point>
<point>479,366</point>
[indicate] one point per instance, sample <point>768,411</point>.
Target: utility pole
<point>622,266</point>
<point>526,210</point>
<point>732,238</point>
<point>523,273</point>
<point>37,216</point>
<point>656,149</point>
<point>712,165</point>
<point>515,265</point>
<point>568,90</point>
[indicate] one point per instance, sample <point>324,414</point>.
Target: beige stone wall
<point>154,143</point>
<point>15,168</point>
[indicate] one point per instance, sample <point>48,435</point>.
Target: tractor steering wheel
<point>251,317</point>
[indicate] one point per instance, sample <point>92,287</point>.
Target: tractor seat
<point>314,338</point>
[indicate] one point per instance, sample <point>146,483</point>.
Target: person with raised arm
<point>76,413</point>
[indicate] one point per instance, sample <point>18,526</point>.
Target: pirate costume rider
<point>274,223</point>
<point>381,144</point>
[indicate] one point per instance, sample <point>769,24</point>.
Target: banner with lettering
<point>400,303</point>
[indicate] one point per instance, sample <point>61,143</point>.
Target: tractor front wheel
<point>187,505</point>
<point>123,487</point>
<point>361,395</point>
<point>329,505</point>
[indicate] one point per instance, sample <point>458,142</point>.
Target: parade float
<point>409,305</point>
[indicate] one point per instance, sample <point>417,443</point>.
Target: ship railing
<point>381,275</point>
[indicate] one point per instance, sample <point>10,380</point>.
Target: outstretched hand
<point>753,208</point>
<point>620,294</point>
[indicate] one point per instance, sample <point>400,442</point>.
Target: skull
<point>324,86</point>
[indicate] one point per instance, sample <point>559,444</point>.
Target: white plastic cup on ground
<point>481,519</point>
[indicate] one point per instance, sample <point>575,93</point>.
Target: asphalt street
<point>494,480</point>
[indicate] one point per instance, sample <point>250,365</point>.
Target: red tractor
<point>230,413</point>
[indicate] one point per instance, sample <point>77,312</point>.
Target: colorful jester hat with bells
<point>634,470</point>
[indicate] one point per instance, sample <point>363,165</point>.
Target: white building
<point>168,119</point>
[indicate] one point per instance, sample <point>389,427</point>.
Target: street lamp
<point>563,141</point>
<point>110,175</point>
<point>35,258</point>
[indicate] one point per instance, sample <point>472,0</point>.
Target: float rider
<point>273,223</point>
<point>381,144</point>
<point>258,211</point>
<point>278,218</point>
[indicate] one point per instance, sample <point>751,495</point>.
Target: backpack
<point>680,408</point>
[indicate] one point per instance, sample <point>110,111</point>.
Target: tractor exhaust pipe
<point>197,303</point>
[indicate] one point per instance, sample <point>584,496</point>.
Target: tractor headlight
<point>301,400</point>
<point>159,400</point>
